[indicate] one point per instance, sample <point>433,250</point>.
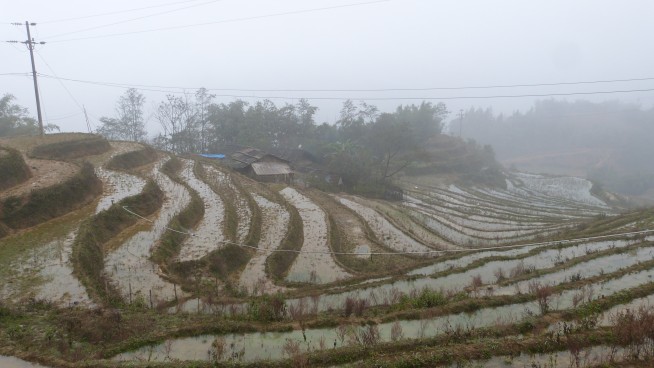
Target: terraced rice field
<point>449,276</point>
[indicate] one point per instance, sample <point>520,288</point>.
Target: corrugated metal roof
<point>271,168</point>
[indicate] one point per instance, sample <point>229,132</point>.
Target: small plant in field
<point>500,275</point>
<point>292,349</point>
<point>268,308</point>
<point>396,331</point>
<point>425,298</point>
<point>313,277</point>
<point>315,299</point>
<point>576,277</point>
<point>217,350</point>
<point>520,269</point>
<point>348,306</point>
<point>422,329</point>
<point>475,284</point>
<point>341,332</point>
<point>634,332</point>
<point>366,336</point>
<point>542,294</point>
<point>354,306</point>
<point>297,310</point>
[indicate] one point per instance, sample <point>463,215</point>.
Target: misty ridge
<point>608,142</point>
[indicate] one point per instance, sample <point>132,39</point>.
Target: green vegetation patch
<point>278,263</point>
<point>188,218</point>
<point>227,260</point>
<point>67,150</point>
<point>132,159</point>
<point>46,203</point>
<point>13,169</point>
<point>88,251</point>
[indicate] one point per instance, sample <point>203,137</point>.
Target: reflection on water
<point>12,362</point>
<point>257,346</point>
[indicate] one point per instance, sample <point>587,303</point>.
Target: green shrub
<point>267,308</point>
<point>426,298</point>
<point>72,149</point>
<point>278,263</point>
<point>187,218</point>
<point>13,169</point>
<point>47,203</point>
<point>132,159</point>
<point>226,260</point>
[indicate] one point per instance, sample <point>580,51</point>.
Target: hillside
<point>179,258</point>
<point>605,142</point>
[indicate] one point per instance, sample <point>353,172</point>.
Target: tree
<point>348,160</point>
<point>225,122</point>
<point>128,123</point>
<point>202,103</point>
<point>425,120</point>
<point>14,119</point>
<point>392,142</point>
<point>178,118</point>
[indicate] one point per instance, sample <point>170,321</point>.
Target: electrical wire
<point>117,12</point>
<point>60,81</point>
<point>234,20</point>
<point>133,19</point>
<point>65,116</point>
<point>424,98</point>
<point>128,85</point>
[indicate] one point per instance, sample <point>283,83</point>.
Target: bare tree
<point>128,123</point>
<point>178,119</point>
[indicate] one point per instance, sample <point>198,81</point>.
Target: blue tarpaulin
<point>212,155</point>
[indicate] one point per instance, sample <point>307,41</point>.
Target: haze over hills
<point>609,143</point>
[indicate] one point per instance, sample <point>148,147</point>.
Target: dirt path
<point>208,235</point>
<point>129,266</point>
<point>45,173</point>
<point>273,229</point>
<point>318,268</point>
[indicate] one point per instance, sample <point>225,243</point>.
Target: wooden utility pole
<point>461,123</point>
<point>30,43</point>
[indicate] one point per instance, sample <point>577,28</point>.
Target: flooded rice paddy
<point>208,235</point>
<point>12,362</point>
<point>386,233</point>
<point>129,266</point>
<point>274,224</point>
<point>312,265</point>
<point>258,346</point>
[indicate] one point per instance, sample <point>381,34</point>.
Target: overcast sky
<point>256,45</point>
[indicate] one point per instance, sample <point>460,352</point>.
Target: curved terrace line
<point>552,242</point>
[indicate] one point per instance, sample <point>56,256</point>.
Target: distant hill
<point>609,143</point>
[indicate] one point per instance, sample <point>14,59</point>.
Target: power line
<point>425,98</point>
<point>129,85</point>
<point>133,19</point>
<point>118,12</point>
<point>79,105</point>
<point>234,20</point>
<point>62,117</point>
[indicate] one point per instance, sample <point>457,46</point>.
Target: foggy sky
<point>381,45</point>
